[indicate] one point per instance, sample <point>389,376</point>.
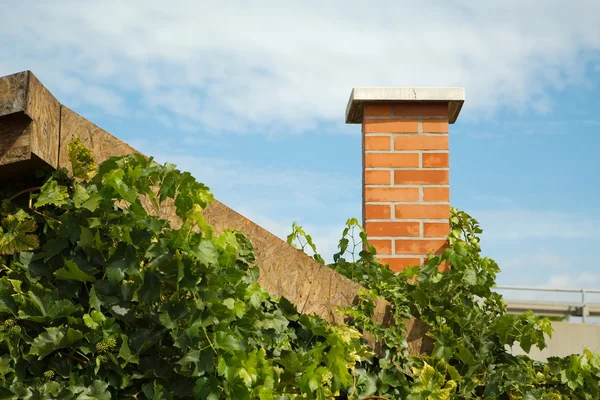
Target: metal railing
<point>584,309</point>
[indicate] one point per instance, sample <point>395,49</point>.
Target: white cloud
<point>286,66</point>
<point>516,224</point>
<point>566,281</point>
<point>540,259</point>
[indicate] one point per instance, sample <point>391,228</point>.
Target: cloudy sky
<point>250,97</point>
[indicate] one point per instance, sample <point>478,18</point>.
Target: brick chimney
<point>406,194</point>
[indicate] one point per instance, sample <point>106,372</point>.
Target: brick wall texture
<point>406,180</point>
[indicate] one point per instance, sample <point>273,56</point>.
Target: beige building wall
<point>567,338</point>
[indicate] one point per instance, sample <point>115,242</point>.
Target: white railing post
<point>584,308</point>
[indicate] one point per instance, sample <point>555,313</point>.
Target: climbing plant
<point>101,298</point>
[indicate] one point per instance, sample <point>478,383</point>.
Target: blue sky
<point>251,99</point>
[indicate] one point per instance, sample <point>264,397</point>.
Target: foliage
<point>100,298</point>
<point>467,321</point>
<point>100,301</point>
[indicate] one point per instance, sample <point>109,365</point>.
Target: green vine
<point>102,299</point>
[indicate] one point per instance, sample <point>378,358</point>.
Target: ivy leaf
<point>80,194</point>
<point>122,311</point>
<point>207,388</point>
<point>15,235</point>
<point>53,339</point>
<point>125,352</point>
<point>52,193</point>
<point>239,309</point>
<point>150,289</point>
<point>72,271</point>
<point>114,179</point>
<point>97,391</point>
<point>5,363</point>
<point>465,355</point>
<point>229,303</point>
<point>82,160</point>
<point>205,252</point>
<point>53,247</point>
<point>470,278</point>
<point>82,198</point>
<point>92,203</point>
<point>94,300</point>
<point>227,341</point>
<point>94,319</point>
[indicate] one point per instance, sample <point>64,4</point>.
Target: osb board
<point>286,271</point>
<point>102,144</point>
<point>13,90</point>
<point>44,111</point>
<point>418,342</point>
<point>14,141</point>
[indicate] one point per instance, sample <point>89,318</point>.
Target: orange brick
<point>432,177</point>
<point>398,264</point>
<point>415,246</point>
<point>424,211</point>
<point>391,194</point>
<point>395,160</point>
<point>373,211</point>
<point>421,109</point>
<point>375,229</point>
<point>378,110</point>
<point>391,126</point>
<point>378,142</point>
<point>435,125</point>
<point>434,229</point>
<point>443,267</point>
<point>378,177</point>
<point>436,194</point>
<point>435,160</point>
<point>383,246</point>
<point>421,142</point>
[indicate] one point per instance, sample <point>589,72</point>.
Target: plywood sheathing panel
<point>286,271</point>
<point>101,143</point>
<point>416,337</point>
<point>13,90</point>
<point>44,111</point>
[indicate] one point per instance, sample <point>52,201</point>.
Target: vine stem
<point>375,398</point>
<point>75,358</point>
<point>33,189</point>
<point>209,342</point>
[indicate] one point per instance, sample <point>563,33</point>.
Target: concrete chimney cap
<point>455,97</point>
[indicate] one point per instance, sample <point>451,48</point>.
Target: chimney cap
<point>455,97</point>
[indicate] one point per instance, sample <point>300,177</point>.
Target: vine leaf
<point>16,235</point>
<point>227,341</point>
<point>52,194</point>
<point>54,339</point>
<point>82,160</point>
<point>72,271</point>
<point>97,391</point>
